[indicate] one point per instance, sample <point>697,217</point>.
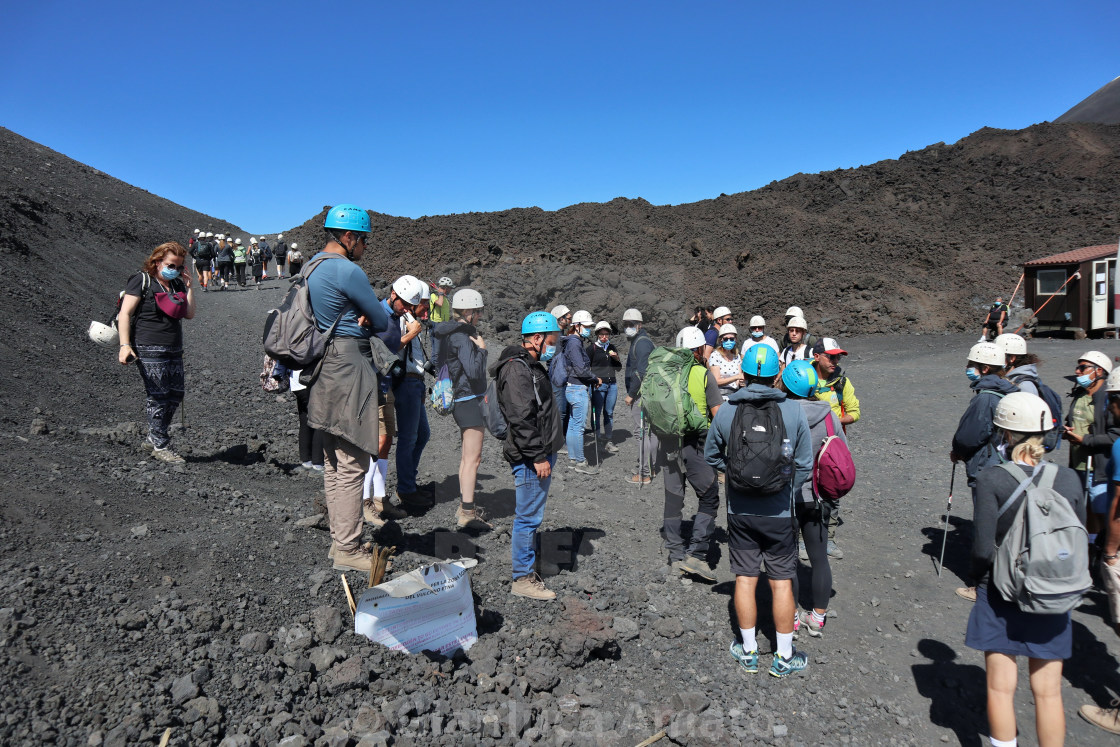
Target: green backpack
<point>668,393</point>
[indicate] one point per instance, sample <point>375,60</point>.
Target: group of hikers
<point>221,259</point>
<point>768,419</point>
<point>1043,534</point>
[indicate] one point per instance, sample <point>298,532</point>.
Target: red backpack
<point>834,473</point>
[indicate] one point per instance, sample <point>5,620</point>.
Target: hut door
<point>1104,271</point>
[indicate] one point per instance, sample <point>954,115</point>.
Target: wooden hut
<point>1071,292</point>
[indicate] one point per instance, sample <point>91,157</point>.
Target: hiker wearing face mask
<point>605,363</point>
<point>721,316</point>
<point>725,363</point>
<point>1091,429</point>
<point>578,367</point>
<point>557,373</point>
<point>976,441</point>
<point>758,335</point>
<point>994,321</point>
<point>637,360</point>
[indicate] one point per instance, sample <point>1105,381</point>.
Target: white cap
<point>632,315</point>
<point>795,311</point>
<point>757,321</point>
<point>583,317</point>
<point>603,325</point>
<point>1098,359</point>
<point>466,298</point>
<point>1012,344</point>
<point>728,329</point>
<point>988,354</point>
<point>410,289</point>
<point>720,312</point>
<point>1023,413</point>
<point>559,310</point>
<point>797,323</point>
<point>690,337</point>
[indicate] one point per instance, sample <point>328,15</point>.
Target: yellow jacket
<point>840,396</point>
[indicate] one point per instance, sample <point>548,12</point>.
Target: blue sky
<point>261,113</point>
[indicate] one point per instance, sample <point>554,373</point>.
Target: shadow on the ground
<point>957,693</point>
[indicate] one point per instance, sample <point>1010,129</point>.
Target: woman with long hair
<point>155,302</point>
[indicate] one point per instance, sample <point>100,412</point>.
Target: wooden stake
<point>655,738</point>
<point>349,596</point>
<point>165,738</point>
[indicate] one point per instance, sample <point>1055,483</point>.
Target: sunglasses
<point>759,328</point>
<point>725,339</point>
<point>1085,367</point>
<point>175,267</point>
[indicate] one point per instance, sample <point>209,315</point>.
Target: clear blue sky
<point>261,113</point>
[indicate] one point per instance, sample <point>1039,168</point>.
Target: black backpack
<point>754,452</point>
<point>205,251</point>
<point>1053,438</point>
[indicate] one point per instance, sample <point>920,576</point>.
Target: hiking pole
<point>948,508</point>
<point>641,444</point>
<point>595,434</point>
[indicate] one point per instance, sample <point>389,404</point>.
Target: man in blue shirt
<point>346,387</point>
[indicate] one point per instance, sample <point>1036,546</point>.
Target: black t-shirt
<point>150,326</point>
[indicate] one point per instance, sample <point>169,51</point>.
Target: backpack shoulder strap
<point>1017,472</point>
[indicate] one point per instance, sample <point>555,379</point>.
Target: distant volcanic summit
<point>1103,107</point>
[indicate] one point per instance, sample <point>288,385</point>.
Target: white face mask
<point>631,331</point>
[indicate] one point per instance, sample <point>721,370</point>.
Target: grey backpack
<point>291,335</point>
<point>1042,564</point>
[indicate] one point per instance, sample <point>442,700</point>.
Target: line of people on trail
<point>220,259</point>
<point>1043,535</point>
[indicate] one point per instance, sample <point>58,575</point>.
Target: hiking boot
<point>641,480</point>
<point>584,468</point>
<point>471,518</point>
<point>412,501</point>
<point>696,567</point>
<point>532,587</point>
<point>966,592</point>
<point>816,630</point>
<point>388,510</point>
<point>1106,718</point>
<point>795,663</point>
<point>147,446</point>
<point>610,447</point>
<point>167,455</point>
<point>747,660</point>
<point>834,551</point>
<point>802,552</point>
<point>358,559</point>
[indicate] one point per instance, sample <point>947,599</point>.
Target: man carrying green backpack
<point>679,396</point>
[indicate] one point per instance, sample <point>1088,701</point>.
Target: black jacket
<point>535,431</point>
<point>466,362</point>
<point>977,437</point>
<point>636,362</point>
<point>603,365</point>
<point>1102,433</point>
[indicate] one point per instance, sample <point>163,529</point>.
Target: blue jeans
<point>531,495</point>
<point>412,431</point>
<point>578,402</point>
<point>603,398</point>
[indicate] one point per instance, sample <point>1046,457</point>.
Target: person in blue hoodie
<point>760,524</point>
<point>976,442</point>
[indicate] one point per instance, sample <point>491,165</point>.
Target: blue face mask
<point>757,334</point>
<point>168,274</point>
<point>548,353</point>
<point>728,344</point>
<point>585,333</point>
<point>1084,381</point>
<point>972,374</point>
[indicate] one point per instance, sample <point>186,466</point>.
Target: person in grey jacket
<point>1022,367</point>
<point>760,526</point>
<point>637,360</point>
<point>459,345</point>
<point>343,398</point>
<point>577,391</point>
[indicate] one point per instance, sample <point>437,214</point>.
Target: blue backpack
<point>558,369</point>
<point>1053,438</point>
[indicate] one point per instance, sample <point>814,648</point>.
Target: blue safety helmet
<point>539,321</point>
<point>347,218</point>
<point>800,378</point>
<point>760,361</point>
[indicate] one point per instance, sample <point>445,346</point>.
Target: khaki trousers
<point>344,473</point>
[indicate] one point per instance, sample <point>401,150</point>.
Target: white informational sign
<point>428,609</point>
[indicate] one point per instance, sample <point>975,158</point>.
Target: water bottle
<point>787,459</point>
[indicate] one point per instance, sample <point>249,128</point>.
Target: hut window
<point>1050,282</point>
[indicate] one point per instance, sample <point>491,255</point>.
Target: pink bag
<point>834,474</point>
<point>173,304</point>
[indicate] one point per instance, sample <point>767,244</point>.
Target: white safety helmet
<point>691,338</point>
<point>1023,413</point>
<point>1012,344</point>
<point>445,282</point>
<point>632,315</point>
<point>559,310</point>
<point>797,323</point>
<point>603,325</point>
<point>295,245</point>
<point>279,236</point>
<point>252,239</point>
<point>197,231</point>
<point>209,234</point>
<point>988,354</point>
<point>795,311</point>
<point>757,321</point>
<point>104,335</point>
<point>720,312</point>
<point>1098,359</point>
<point>583,317</point>
<point>1113,384</point>
<point>237,241</point>
<point>410,289</point>
<point>466,298</point>
<point>728,329</point>
<point>221,236</point>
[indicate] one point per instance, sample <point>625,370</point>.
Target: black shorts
<point>757,538</point>
<point>202,265</point>
<point>468,413</point>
